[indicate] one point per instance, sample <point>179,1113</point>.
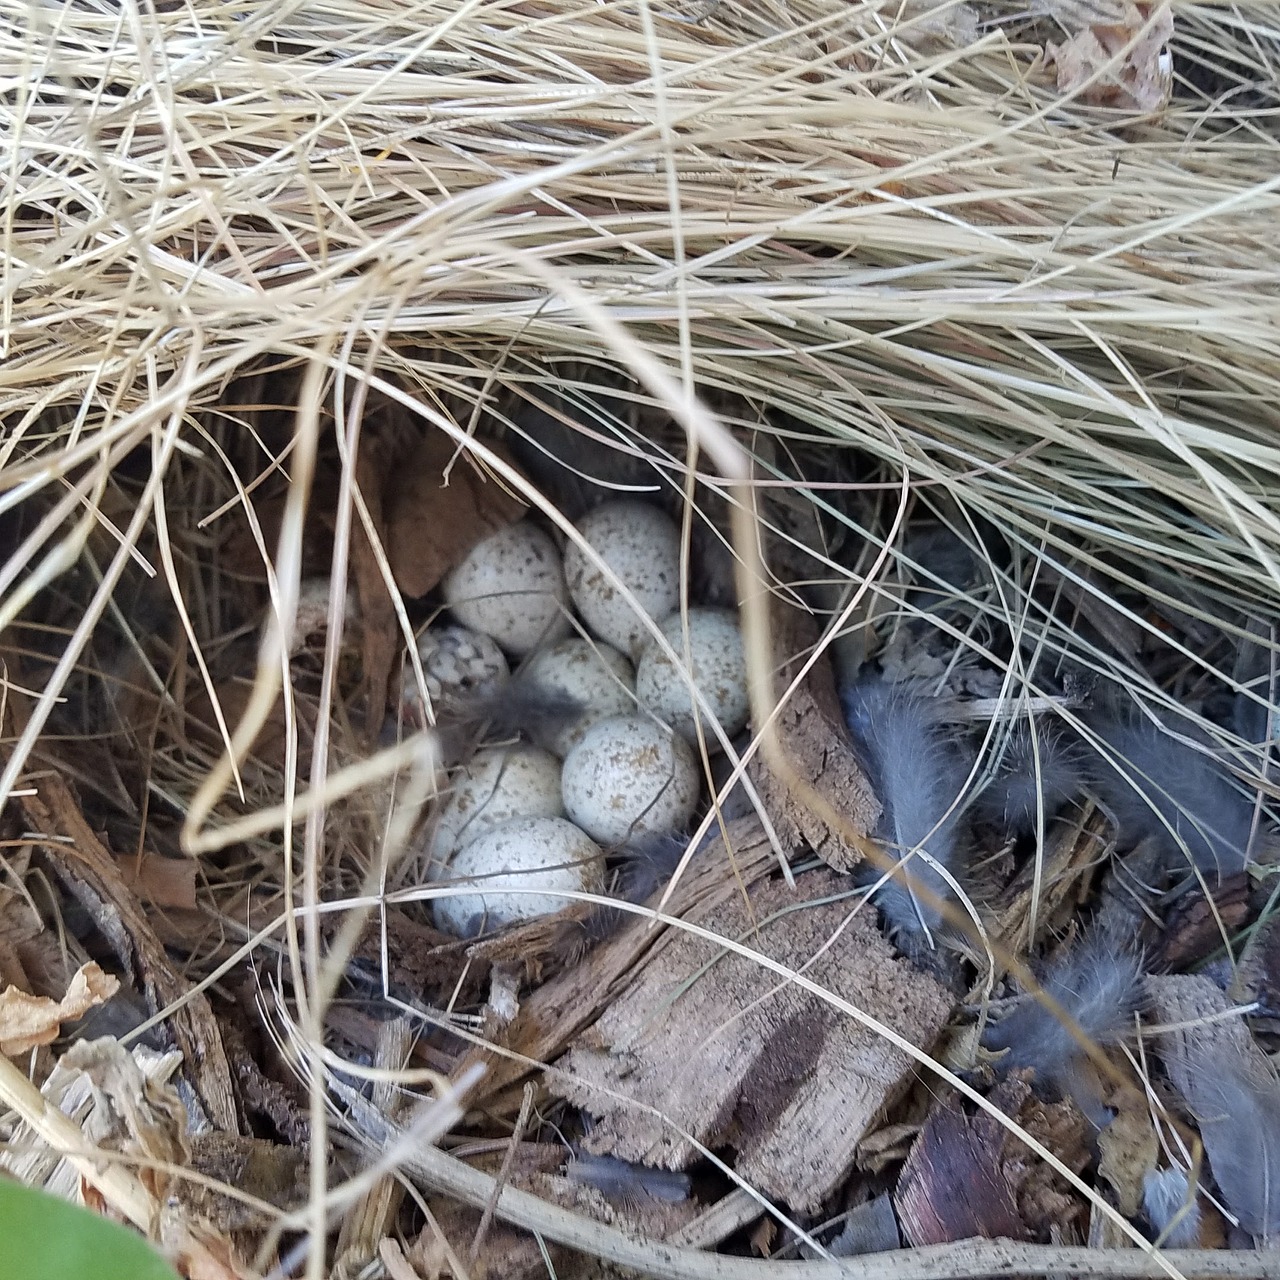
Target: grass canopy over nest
<point>816,274</point>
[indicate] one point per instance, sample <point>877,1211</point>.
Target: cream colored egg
<point>548,855</point>
<point>719,669</point>
<point>511,587</point>
<point>641,546</point>
<point>592,674</point>
<point>496,786</point>
<point>630,776</point>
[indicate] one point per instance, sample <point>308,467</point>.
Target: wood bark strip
<point>92,875</point>
<point>816,747</point>
<point>570,1002</point>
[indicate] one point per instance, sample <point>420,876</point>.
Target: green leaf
<point>44,1238</point>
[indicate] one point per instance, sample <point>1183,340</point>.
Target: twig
<point>486,1220</point>
<point>966,1260</point>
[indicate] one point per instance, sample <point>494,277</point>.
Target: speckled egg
<point>630,776</point>
<point>545,854</point>
<point>455,661</point>
<point>719,670</point>
<point>592,674</point>
<point>511,587</point>
<point>497,785</point>
<point>641,546</point>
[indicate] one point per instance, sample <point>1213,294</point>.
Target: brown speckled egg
<point>641,546</point>
<point>511,587</point>
<point>497,785</point>
<point>719,670</point>
<point>630,776</point>
<point>593,674</point>
<point>546,855</point>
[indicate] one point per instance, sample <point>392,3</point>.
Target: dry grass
<point>856,237</point>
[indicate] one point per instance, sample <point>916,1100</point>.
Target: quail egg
<point>511,587</point>
<point>497,785</point>
<point>719,671</point>
<point>630,776</point>
<point>640,544</point>
<point>592,674</point>
<point>545,854</point>
<point>455,661</point>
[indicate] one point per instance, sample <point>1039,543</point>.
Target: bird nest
<point>943,336</point>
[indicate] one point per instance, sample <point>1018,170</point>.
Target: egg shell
<point>641,545</point>
<point>527,853</point>
<point>455,661</point>
<point>593,674</point>
<point>511,587</point>
<point>630,776</point>
<point>719,670</point>
<point>497,785</point>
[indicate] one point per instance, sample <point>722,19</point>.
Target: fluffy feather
<point>1040,766</point>
<point>515,707</point>
<point>1180,795</point>
<point>919,773</point>
<point>1236,1102</point>
<point>1097,985</point>
<point>1171,1210</point>
<point>627,1183</point>
<point>643,867</point>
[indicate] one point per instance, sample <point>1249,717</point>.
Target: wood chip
<point>563,1007</point>
<point>724,1050</point>
<point>969,1176</point>
<point>93,876</point>
<point>828,804</point>
<point>952,1186</point>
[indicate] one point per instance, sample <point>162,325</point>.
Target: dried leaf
<point>27,1021</point>
<point>161,882</point>
<point>131,1113</point>
<point>439,505</point>
<point>1140,81</point>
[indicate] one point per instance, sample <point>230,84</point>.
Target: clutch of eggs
<point>518,827</point>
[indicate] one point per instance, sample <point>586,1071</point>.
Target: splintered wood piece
<point>93,876</point>
<point>1257,976</point>
<point>439,505</point>
<point>379,626</point>
<point>1197,926</point>
<point>705,1042</point>
<point>561,1008</point>
<point>1066,873</point>
<point>815,744</point>
<point>952,1187</point>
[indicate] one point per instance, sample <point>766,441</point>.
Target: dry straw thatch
<point>1051,304</point>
